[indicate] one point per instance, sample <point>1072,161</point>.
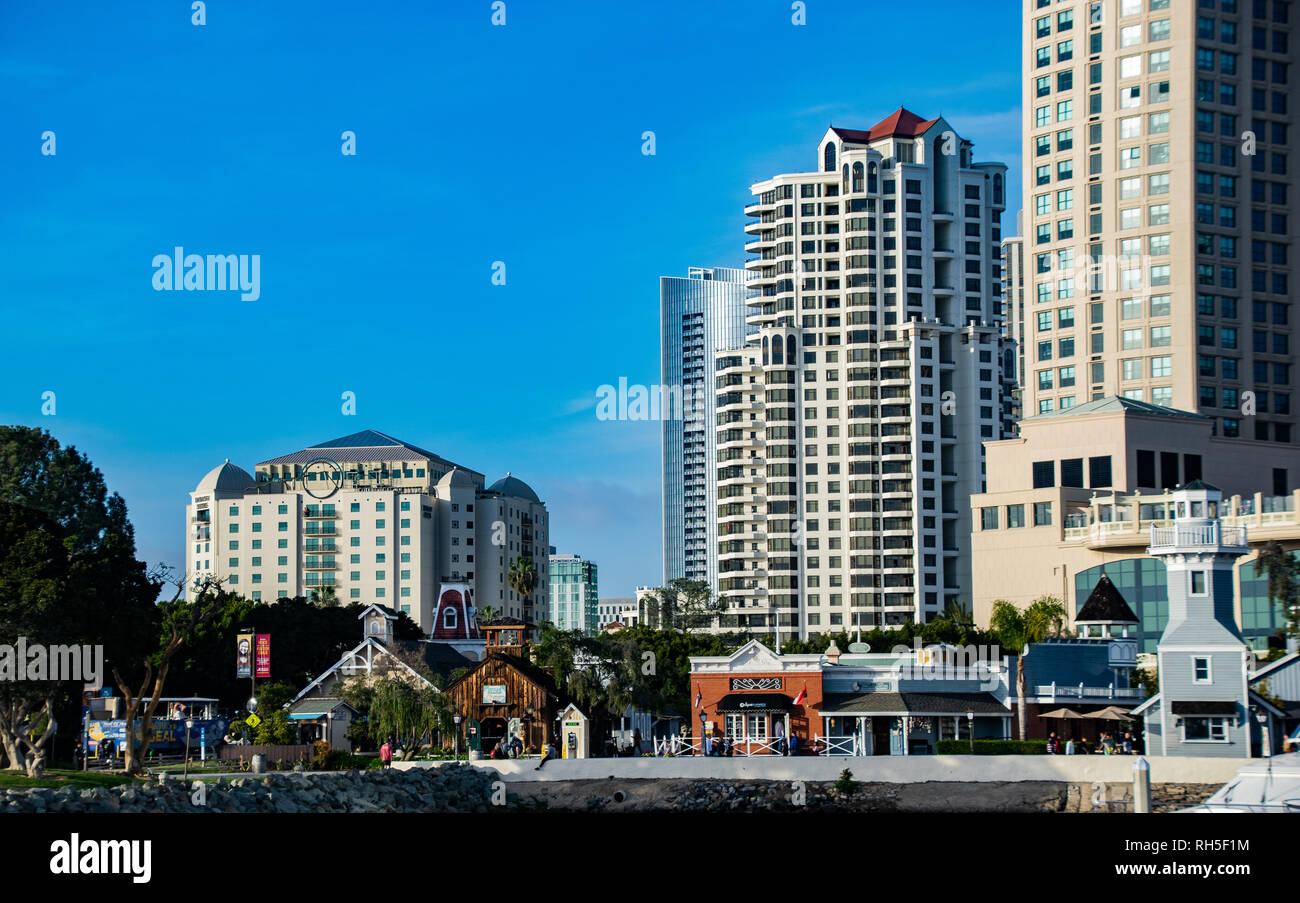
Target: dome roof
<point>456,478</point>
<point>225,478</point>
<point>514,488</point>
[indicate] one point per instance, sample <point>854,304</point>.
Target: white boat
<point>1261,785</point>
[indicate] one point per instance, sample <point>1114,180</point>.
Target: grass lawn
<point>62,777</point>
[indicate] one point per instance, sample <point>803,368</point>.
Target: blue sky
<point>475,144</point>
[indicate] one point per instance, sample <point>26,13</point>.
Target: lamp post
<point>1267,747</point>
<point>703,752</point>
<point>455,739</point>
<point>970,729</point>
<point>529,714</point>
<point>189,724</point>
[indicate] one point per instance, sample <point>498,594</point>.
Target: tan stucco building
<point>1079,490</point>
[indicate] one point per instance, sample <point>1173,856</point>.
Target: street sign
<point>252,720</point>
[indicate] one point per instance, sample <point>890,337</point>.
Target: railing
<point>1053,691</point>
<point>676,746</point>
<point>1210,535</point>
<point>839,746</point>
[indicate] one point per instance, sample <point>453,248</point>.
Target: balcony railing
<point>1055,691</point>
<point>1212,535</point>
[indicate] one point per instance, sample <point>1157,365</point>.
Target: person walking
<point>1069,747</point>
<point>1128,744</point>
<point>386,755</point>
<point>794,744</point>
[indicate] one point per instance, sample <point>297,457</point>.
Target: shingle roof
<point>1113,403</point>
<point>365,446</point>
<point>318,705</point>
<point>1105,604</point>
<point>902,122</point>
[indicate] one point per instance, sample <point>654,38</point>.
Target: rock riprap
<point>449,789</point>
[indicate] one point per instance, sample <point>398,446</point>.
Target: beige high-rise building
<point>1157,185</point>
<point>849,429</point>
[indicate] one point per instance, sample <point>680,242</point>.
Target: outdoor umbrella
<point>1110,713</point>
<point>1062,713</point>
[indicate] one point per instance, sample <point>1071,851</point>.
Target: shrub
<point>321,755</point>
<point>846,784</point>
<point>993,747</point>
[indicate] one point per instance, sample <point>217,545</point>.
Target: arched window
<point>777,357</point>
<point>857,177</point>
<point>789,350</point>
<point>844,182</point>
<point>997,188</point>
<point>765,358</point>
<point>871,177</point>
<point>449,618</point>
<point>830,156</point>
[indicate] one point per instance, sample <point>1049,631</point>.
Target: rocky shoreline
<point>458,789</point>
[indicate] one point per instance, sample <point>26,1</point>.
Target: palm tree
<point>489,613</point>
<point>1282,571</point>
<point>324,596</point>
<point>1016,629</point>
<point>523,577</point>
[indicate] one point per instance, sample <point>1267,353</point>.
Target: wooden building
<point>506,695</point>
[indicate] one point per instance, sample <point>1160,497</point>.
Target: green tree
<point>1283,573</point>
<point>1017,629</point>
<point>686,605</point>
<point>522,576</point>
<point>68,576</point>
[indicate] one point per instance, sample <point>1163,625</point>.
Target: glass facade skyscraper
<point>700,314</point>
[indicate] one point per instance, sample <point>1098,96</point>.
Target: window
<point>1202,728</point>
<point>1131,368</point>
<point>1042,514</point>
<point>988,518</point>
<point>1200,666</point>
<point>1015,516</point>
<point>1161,367</point>
<point>1044,475</point>
<point>1130,339</point>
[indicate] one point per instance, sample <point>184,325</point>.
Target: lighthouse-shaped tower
<point>1203,705</point>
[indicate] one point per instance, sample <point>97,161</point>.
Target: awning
<point>755,702</point>
<point>1203,707</point>
<point>912,703</point>
<point>306,716</point>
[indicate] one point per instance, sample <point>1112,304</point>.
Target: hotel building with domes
<point>367,518</point>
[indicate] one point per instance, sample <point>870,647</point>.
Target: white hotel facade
<point>371,519</point>
<point>850,429</point>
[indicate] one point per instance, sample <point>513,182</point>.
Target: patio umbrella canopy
<point>1062,713</point>
<point>1110,713</point>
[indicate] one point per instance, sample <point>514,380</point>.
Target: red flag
<point>803,694</point>
<point>699,697</point>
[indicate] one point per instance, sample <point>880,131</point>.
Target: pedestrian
<point>1069,747</point>
<point>794,744</point>
<point>1128,744</point>
<point>636,741</point>
<point>550,754</point>
<point>1051,744</point>
<point>386,755</point>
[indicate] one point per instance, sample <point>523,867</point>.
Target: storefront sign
<point>494,694</point>
<point>755,683</point>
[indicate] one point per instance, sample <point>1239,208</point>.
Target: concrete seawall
<point>883,769</point>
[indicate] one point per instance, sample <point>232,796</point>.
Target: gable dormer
<point>377,623</point>
<point>455,616</point>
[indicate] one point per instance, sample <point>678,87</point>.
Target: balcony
<point>1212,537</point>
<point>1053,692</point>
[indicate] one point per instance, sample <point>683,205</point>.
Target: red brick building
<point>756,698</point>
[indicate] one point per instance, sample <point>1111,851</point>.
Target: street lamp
<point>529,714</point>
<point>455,738</point>
<point>1262,717</point>
<point>189,724</point>
<point>970,728</point>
